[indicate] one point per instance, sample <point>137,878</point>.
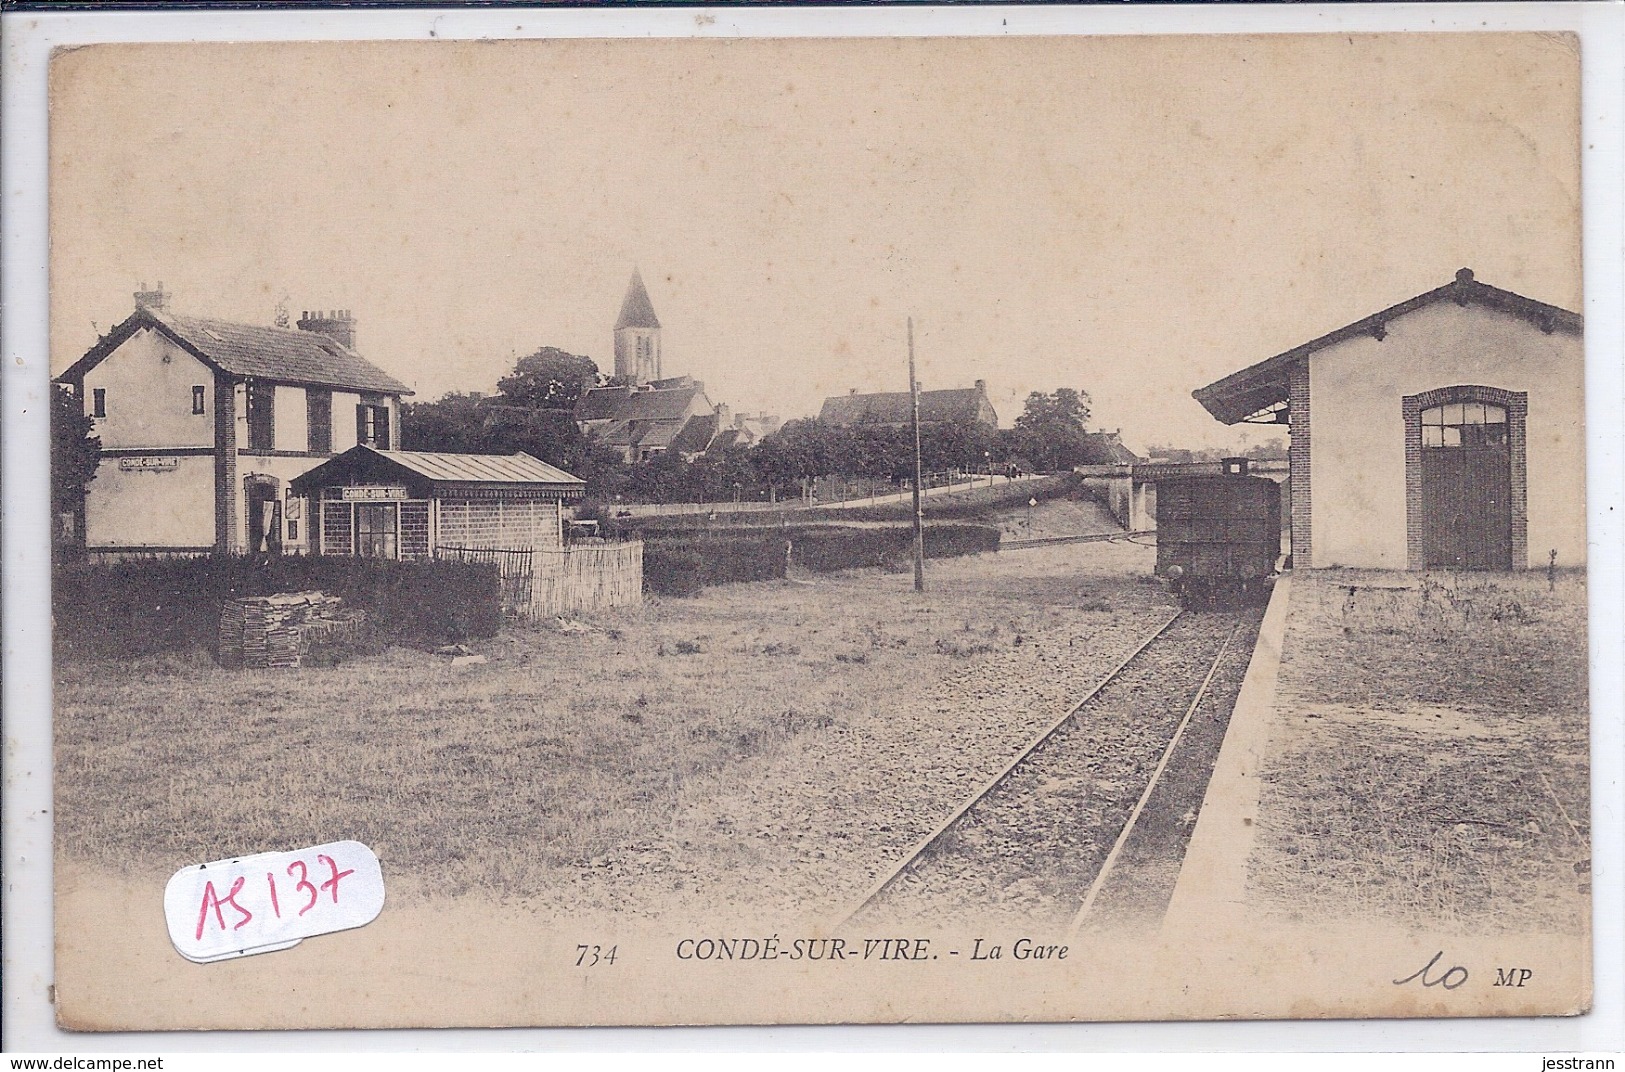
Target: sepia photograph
<point>811,530</point>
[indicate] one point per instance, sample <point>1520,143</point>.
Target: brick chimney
<point>337,325</point>
<point>157,298</point>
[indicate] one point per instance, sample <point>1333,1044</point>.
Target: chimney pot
<point>157,298</point>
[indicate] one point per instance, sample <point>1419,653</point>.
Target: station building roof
<point>250,351</point>
<point>435,475</point>
<point>1261,386</point>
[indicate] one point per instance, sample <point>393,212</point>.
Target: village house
<point>644,415</point>
<point>1445,432</point>
<point>646,419</point>
<point>895,408</point>
<point>204,423</point>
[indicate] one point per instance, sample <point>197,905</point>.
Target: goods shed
<point>1445,432</point>
<point>410,504</point>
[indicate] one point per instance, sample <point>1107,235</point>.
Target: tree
<point>75,451</point>
<point>550,378</point>
<point>797,451</point>
<point>1050,430</point>
<point>968,446</point>
<point>455,424</point>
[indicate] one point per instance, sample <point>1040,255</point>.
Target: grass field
<point>1431,763</point>
<point>565,746</point>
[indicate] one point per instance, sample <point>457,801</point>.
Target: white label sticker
<point>272,900</point>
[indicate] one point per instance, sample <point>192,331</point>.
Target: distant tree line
<point>532,412</point>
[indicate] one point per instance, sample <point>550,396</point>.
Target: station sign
<point>373,493</point>
<point>148,464</point>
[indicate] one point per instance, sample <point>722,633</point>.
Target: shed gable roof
<point>281,355</point>
<point>1257,387</point>
<point>429,470</point>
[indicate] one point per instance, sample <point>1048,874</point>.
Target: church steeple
<point>637,335</point>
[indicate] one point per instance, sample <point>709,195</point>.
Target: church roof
<point>637,311</point>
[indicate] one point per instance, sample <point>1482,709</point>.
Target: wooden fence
<point>586,576</point>
<point>514,568</point>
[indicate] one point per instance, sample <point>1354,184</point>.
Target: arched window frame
<point>1516,404</point>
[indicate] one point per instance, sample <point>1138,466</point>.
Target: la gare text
<point>775,947</point>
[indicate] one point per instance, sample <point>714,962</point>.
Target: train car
<point>1218,536</point>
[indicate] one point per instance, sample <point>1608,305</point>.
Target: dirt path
<point>804,832</point>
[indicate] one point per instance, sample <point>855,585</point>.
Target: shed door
<point>1466,487</point>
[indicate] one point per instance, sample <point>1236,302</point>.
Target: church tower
<point>637,336</point>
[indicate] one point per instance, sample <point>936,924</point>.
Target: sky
<point>1132,217</point>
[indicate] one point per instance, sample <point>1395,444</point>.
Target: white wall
<point>291,428</point>
<point>149,383</point>
<point>151,507</point>
<point>1357,439</point>
<point>344,404</point>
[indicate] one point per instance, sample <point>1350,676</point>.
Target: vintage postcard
<point>578,532</point>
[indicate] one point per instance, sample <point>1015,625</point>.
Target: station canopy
<point>429,475</point>
<point>1259,392</point>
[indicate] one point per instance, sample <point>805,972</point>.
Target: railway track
<point>1044,841</point>
<point>1137,535</point>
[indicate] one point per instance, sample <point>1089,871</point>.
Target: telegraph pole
<point>919,512</point>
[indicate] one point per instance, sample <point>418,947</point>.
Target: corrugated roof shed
<point>281,355</point>
<point>427,473</point>
<point>517,468</point>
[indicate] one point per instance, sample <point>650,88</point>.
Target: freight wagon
<point>1218,536</point>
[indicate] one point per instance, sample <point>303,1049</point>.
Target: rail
<point>1156,775</point>
<point>924,844</point>
<point>1098,537</point>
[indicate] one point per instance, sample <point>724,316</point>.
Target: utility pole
<point>919,513</point>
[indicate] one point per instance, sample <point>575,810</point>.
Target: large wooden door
<point>1466,489</point>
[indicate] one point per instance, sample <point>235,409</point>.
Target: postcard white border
<point>28,41</point>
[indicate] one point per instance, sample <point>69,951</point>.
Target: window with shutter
<point>261,419</point>
<point>372,425</point>
<point>319,420</point>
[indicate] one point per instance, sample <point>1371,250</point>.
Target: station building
<point>1445,432</point>
<point>203,423</point>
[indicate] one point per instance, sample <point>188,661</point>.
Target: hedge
<point>679,561</point>
<point>140,606</point>
<point>975,505</point>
